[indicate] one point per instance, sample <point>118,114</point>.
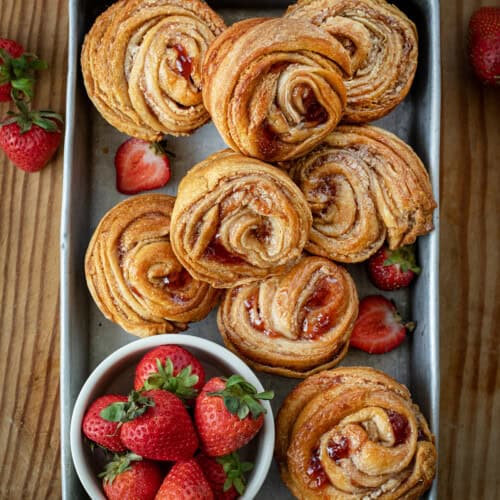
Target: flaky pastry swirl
<point>354,433</point>
<point>363,184</point>
<point>383,45</point>
<point>274,87</point>
<point>141,63</point>
<point>237,219</point>
<point>294,324</point>
<point>133,274</point>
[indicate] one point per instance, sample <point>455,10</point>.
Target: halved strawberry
<point>141,166</point>
<point>379,327</point>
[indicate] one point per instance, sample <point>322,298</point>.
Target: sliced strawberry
<point>141,166</point>
<point>379,327</point>
<point>393,269</point>
<point>172,368</point>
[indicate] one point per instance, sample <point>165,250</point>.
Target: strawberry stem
<point>160,148</point>
<point>118,465</point>
<point>20,73</point>
<point>126,411</point>
<point>404,257</point>
<point>241,398</point>
<point>181,384</point>
<point>45,119</point>
<point>235,472</point>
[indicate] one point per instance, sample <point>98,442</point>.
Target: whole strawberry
<point>185,481</point>
<point>99,430</point>
<point>393,269</point>
<point>226,474</point>
<point>155,425</point>
<point>228,414</point>
<point>379,327</point>
<point>129,477</point>
<point>17,71</point>
<point>30,138</point>
<point>484,44</point>
<point>172,368</point>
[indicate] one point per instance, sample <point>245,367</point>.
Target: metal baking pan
<point>89,191</point>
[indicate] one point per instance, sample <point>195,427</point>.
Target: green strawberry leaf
<point>235,472</point>
<point>123,412</point>
<point>182,384</point>
<point>118,465</point>
<point>241,398</point>
<point>404,257</point>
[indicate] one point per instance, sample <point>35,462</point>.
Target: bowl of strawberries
<point>172,417</point>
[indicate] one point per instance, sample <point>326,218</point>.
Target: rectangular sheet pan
<point>89,191</point>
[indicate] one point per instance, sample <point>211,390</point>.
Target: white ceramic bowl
<point>115,374</point>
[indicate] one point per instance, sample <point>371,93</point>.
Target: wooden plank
<point>30,206</point>
<point>469,278</point>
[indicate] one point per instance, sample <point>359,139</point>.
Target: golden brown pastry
<point>141,63</point>
<point>133,274</point>
<point>354,433</point>
<point>274,87</point>
<point>295,324</point>
<point>363,184</point>
<point>383,46</point>
<point>237,219</point>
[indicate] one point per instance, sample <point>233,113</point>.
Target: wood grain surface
<point>30,207</point>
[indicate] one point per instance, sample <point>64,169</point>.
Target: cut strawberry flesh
<point>378,328</point>
<point>140,168</point>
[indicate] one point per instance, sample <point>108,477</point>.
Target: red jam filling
<point>400,426</point>
<point>315,325</point>
<point>217,251</point>
<point>314,111</point>
<point>315,470</point>
<point>177,280</point>
<point>268,140</point>
<point>338,449</point>
<point>256,319</point>
<point>183,63</point>
<point>262,232</point>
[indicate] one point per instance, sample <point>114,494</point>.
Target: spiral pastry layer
<point>363,184</point>
<point>383,46</point>
<point>295,324</point>
<point>141,63</point>
<point>353,433</point>
<point>237,219</point>
<point>134,276</point>
<point>274,87</point>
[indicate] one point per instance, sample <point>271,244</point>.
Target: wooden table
<point>30,208</point>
